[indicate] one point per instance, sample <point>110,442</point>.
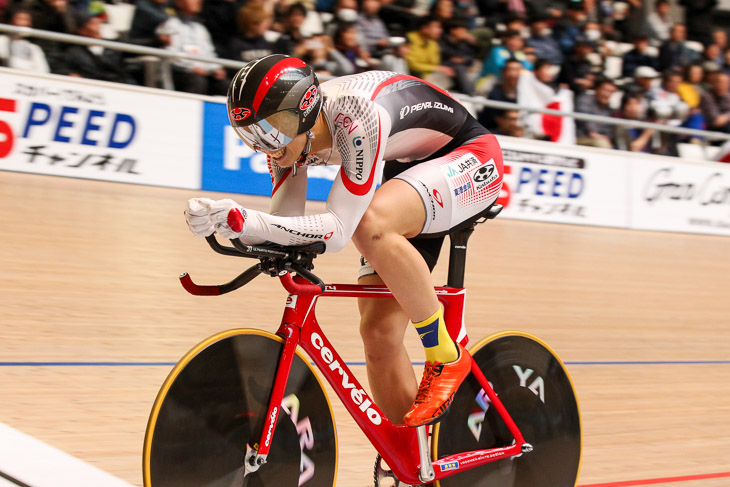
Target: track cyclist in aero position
<point>439,166</point>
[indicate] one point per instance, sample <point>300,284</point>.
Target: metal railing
<point>170,56</point>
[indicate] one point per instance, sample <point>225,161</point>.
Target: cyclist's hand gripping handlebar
<point>274,260</point>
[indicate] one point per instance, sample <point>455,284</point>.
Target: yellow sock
<point>437,343</point>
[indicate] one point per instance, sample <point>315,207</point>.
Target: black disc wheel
<point>211,410</point>
<point>537,392</point>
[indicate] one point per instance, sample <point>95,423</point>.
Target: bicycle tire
<point>536,390</point>
<point>211,410</point>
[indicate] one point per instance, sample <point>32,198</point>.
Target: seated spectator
<point>638,56</point>
<point>508,123</point>
<point>512,48</point>
<point>633,22</point>
<point>292,35</point>
<point>148,15</point>
<point>424,58</point>
<point>632,138</point>
<point>665,102</point>
<point>713,54</point>
<point>372,29</point>
<point>546,73</point>
<point>249,43</point>
<point>691,89</point>
<point>577,70</point>
<point>395,58</point>
<point>186,35</point>
<point>596,134</point>
<point>55,16</point>
<point>18,52</point>
<point>505,90</point>
<point>443,10</point>
<point>320,53</point>
<point>95,62</point>
<point>660,22</point>
<point>542,44</point>
<point>674,53</point>
<point>715,103</point>
<point>220,18</point>
<point>644,79</point>
<point>457,52</point>
<point>719,37</point>
<point>347,43</point>
<point>569,26</point>
<point>698,16</point>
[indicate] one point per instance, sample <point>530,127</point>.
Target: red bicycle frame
<point>397,444</point>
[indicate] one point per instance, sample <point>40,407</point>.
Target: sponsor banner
<point>64,127</point>
<point>682,197</point>
<point>231,166</point>
<point>563,184</point>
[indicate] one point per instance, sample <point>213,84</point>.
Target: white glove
<point>196,214</point>
<point>224,217</point>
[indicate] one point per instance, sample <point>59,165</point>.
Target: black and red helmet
<point>273,99</point>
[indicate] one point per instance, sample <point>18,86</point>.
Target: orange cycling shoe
<point>436,392</point>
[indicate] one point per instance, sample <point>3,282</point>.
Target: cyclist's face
<point>287,155</point>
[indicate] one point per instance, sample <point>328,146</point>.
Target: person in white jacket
<point>18,52</point>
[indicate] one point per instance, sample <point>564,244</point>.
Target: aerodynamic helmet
<point>273,99</point>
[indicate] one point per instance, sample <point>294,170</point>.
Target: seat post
<point>457,256</point>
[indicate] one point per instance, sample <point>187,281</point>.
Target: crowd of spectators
<point>633,59</point>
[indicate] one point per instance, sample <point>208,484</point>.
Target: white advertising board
<point>79,128</point>
<point>564,184</point>
<point>678,196</point>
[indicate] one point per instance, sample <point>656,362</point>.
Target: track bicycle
<point>245,407</point>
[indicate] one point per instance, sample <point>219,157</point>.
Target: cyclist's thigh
<point>458,185</point>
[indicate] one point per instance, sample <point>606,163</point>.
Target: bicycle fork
<point>256,456</point>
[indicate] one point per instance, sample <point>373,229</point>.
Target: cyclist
<point>439,165</point>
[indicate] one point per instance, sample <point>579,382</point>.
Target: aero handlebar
<point>275,261</point>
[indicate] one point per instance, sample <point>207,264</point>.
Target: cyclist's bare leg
<point>395,214</point>
<point>383,324</point>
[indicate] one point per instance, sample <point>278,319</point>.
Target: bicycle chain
<point>380,474</point>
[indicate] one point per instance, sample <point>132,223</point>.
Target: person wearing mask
<point>596,134</point>
<point>16,51</point>
<point>542,43</point>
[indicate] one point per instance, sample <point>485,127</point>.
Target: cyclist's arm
<point>351,191</point>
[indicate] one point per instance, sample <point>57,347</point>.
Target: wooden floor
<point>88,272</point>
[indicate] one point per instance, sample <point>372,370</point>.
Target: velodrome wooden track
<point>88,273</point>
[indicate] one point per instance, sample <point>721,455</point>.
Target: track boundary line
<point>664,480</point>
